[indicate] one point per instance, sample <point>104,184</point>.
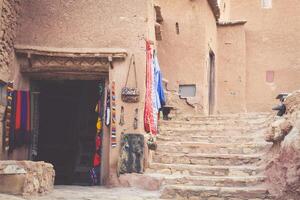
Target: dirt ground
<point>91,193</point>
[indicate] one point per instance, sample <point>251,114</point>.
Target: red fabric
<point>97,156</point>
<point>18,111</point>
<point>148,110</point>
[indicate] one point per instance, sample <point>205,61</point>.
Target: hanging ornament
<point>113,114</point>
<point>122,121</point>
<point>135,121</point>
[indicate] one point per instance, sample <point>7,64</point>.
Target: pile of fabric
<point>155,97</point>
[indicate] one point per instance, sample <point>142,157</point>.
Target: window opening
<point>187,90</point>
<point>177,28</point>
<point>266,4</point>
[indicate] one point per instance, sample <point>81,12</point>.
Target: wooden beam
<point>72,52</point>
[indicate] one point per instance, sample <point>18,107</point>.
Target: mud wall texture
<point>183,52</point>
<point>231,70</point>
<point>9,10</point>
<point>284,158</point>
<point>273,40</point>
<point>96,24</point>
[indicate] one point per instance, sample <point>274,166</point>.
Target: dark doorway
<point>67,129</point>
<point>211,83</point>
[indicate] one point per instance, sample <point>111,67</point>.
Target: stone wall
<point>9,10</point>
<point>26,177</point>
<point>284,157</point>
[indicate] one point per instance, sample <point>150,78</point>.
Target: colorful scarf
<point>148,110</point>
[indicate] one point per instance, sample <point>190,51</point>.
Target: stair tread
<point>219,188</point>
<point>215,178</point>
<point>215,155</point>
<point>189,143</point>
<point>190,166</point>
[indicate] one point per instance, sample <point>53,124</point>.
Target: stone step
<point>209,139</point>
<point>215,122</point>
<point>214,193</point>
<point>224,148</point>
<point>206,159</point>
<point>204,170</point>
<point>248,117</point>
<point>212,127</point>
<point>189,132</point>
<point>224,181</point>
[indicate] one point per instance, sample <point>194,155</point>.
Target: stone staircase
<point>212,157</point>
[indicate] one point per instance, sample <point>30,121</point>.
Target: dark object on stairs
<point>281,107</point>
<point>166,111</point>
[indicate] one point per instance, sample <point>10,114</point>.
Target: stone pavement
<point>91,193</point>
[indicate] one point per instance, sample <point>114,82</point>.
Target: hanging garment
<point>97,156</point>
<point>107,111</point>
<point>22,119</point>
<point>148,110</point>
<point>159,89</point>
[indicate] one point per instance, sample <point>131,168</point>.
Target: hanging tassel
<point>135,121</point>
<point>122,121</point>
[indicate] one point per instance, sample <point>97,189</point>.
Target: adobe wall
<point>9,10</point>
<point>210,44</point>
<point>187,52</point>
<point>231,73</point>
<point>273,40</point>
<point>96,24</point>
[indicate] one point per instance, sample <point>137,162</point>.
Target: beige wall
<point>231,72</point>
<point>273,41</point>
<point>95,24</point>
<point>183,57</point>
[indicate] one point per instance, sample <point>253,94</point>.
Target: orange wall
<point>272,43</point>
<point>183,57</point>
<point>231,72</point>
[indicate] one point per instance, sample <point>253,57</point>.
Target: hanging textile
<point>148,110</point>
<point>113,116</point>
<point>107,111</point>
<point>159,89</point>
<point>22,118</point>
<point>8,117</point>
<point>97,156</point>
<point>17,119</point>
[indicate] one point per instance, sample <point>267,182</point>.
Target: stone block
<point>26,177</point>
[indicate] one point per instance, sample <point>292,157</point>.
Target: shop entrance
<point>67,131</point>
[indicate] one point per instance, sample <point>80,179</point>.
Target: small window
<point>266,4</point>
<point>3,93</point>
<point>177,28</point>
<point>187,90</point>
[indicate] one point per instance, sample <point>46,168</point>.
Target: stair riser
<point>214,123</point>
<point>169,159</point>
<point>225,118</point>
<point>190,133</point>
<point>205,171</point>
<point>207,139</point>
<point>211,128</point>
<point>211,149</point>
<point>170,193</point>
<point>220,183</point>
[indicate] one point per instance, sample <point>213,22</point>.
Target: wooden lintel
<point>72,52</point>
<point>53,69</point>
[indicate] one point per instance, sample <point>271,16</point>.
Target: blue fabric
<point>159,90</point>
